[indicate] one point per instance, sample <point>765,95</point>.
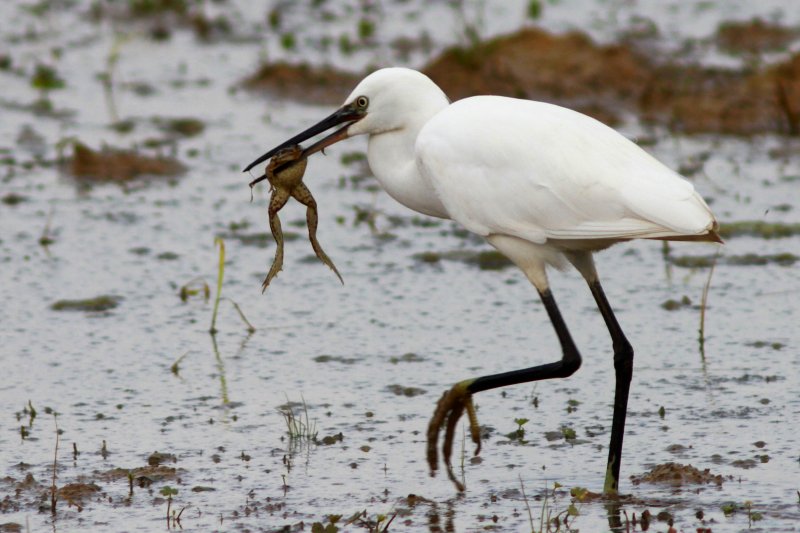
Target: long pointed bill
<point>347,114</point>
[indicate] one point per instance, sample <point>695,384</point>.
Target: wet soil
<point>113,164</point>
<point>754,37</point>
<point>602,81</point>
<point>678,474</point>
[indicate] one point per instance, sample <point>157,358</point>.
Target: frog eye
<point>362,102</point>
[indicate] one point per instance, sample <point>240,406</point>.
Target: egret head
<point>386,100</point>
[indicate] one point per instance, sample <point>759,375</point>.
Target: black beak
<point>347,114</point>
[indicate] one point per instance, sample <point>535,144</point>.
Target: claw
<point>449,409</point>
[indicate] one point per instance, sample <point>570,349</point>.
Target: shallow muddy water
<point>369,358</point>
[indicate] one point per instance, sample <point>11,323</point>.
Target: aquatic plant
<point>53,490</point>
<point>519,433</point>
<point>106,77</point>
<point>534,9</point>
<point>168,492</point>
<point>220,276</point>
<point>297,428</point>
<point>46,79</point>
<point>703,306</point>
<point>550,519</point>
<point>175,368</point>
<point>46,238</point>
<point>189,289</point>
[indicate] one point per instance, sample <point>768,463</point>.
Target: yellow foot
<point>448,411</point>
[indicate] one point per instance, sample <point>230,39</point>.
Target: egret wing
<point>539,171</point>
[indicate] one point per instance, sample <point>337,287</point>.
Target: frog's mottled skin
<point>285,174</point>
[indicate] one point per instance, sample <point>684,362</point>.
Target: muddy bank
<point>564,69</point>
<point>603,81</point>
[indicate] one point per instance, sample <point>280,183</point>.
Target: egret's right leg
<point>623,367</point>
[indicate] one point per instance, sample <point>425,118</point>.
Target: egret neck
<point>391,156</point>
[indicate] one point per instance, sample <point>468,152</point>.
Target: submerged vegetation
<point>758,228</point>
<point>97,304</point>
<point>298,426</point>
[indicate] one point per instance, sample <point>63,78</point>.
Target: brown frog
<point>285,175</point>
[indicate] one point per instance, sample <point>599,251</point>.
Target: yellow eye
<point>362,102</point>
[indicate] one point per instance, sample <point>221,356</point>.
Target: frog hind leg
<point>276,203</point>
<point>303,195</point>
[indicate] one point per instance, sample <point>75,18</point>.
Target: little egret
<point>545,185</point>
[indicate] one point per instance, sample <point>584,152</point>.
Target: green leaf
<point>168,492</point>
<point>46,79</point>
<point>572,510</point>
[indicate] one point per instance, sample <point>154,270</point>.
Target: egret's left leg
<point>458,399</point>
<point>623,367</point>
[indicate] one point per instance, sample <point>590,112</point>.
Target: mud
<point>602,81</point>
<point>679,474</point>
<point>532,63</point>
<point>303,82</point>
<point>755,36</point>
<point>113,164</point>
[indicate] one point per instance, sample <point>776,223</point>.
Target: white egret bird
<point>545,185</point>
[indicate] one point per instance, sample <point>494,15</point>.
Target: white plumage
<point>538,171</point>
<point>543,184</point>
<point>518,171</point>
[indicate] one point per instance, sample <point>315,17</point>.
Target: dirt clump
<point>678,474</point>
<point>143,476</point>
<point>74,493</point>
<point>113,164</point>
<point>302,83</point>
<point>694,99</point>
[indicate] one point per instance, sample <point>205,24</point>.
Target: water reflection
<point>435,519</point>
<point>223,381</point>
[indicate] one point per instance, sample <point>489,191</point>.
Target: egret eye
<point>362,102</point>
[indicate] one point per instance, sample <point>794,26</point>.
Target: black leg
<point>458,399</point>
<point>623,367</point>
<point>569,363</point>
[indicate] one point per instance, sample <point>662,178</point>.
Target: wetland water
<point>418,310</point>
